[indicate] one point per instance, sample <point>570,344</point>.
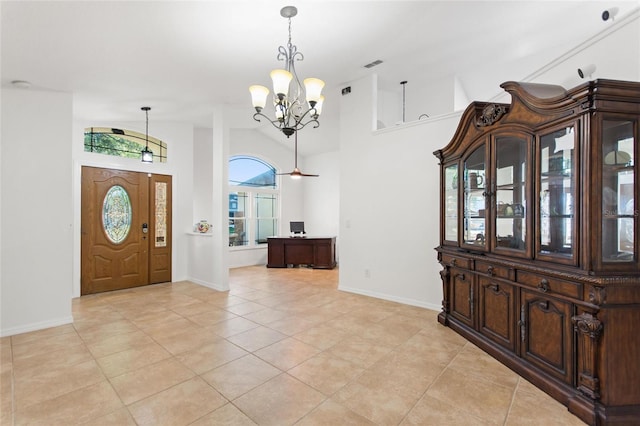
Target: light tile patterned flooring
<point>282,347</point>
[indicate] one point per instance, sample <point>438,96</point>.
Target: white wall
<point>201,246</point>
<point>202,174</point>
<point>36,214</point>
<point>322,195</point>
<point>389,203</point>
<point>422,95</point>
<point>616,56</point>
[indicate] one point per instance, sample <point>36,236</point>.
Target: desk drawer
<point>456,261</point>
<point>495,270</point>
<point>551,285</point>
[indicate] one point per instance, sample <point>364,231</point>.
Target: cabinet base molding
<point>586,409</point>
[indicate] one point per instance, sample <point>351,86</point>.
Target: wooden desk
<point>318,252</point>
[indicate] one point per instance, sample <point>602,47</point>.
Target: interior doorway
<point>125,229</point>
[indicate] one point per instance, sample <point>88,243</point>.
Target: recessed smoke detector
<point>21,84</point>
<point>373,64</point>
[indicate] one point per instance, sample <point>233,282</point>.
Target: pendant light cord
<point>147,129</point>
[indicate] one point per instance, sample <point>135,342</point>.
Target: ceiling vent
<point>373,64</point>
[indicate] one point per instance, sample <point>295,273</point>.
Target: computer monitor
<point>296,227</point>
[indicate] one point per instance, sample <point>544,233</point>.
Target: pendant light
<point>147,155</point>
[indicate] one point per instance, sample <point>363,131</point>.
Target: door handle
<point>145,228</point>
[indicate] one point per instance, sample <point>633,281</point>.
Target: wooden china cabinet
<point>539,240</point>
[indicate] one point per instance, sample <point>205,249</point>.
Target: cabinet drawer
<point>458,262</point>
<point>494,270</point>
<point>551,285</point>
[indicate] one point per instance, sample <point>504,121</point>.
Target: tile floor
<point>282,347</point>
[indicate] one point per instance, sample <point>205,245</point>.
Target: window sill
<point>243,248</point>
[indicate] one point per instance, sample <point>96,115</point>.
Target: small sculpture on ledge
<point>203,227</point>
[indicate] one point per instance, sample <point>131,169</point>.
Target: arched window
<point>122,143</point>
<point>251,171</point>
<point>253,201</point>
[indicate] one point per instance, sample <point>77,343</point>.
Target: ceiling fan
<point>296,173</point>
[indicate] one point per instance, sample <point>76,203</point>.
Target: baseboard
<point>383,296</point>
<point>208,284</point>
<point>36,326</point>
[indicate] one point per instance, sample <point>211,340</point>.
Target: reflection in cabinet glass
<point>474,198</point>
<point>510,193</point>
<point>557,192</point>
<point>619,214</point>
<point>451,205</point>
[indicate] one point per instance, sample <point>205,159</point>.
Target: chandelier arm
<point>314,116</point>
<point>297,123</point>
<point>301,125</point>
<point>278,124</point>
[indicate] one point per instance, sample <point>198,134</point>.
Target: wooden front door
<point>125,229</point>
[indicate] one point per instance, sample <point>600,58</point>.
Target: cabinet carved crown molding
<point>491,113</point>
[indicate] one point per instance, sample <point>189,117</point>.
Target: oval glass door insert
<point>116,214</point>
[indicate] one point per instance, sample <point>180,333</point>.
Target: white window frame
<point>250,218</point>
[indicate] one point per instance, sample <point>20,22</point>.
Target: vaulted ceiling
<point>183,58</point>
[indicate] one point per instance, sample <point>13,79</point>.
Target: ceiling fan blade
<point>298,173</point>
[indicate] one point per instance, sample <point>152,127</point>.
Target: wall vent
<point>373,64</point>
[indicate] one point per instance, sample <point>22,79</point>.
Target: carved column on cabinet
<point>588,329</point>
<point>444,275</point>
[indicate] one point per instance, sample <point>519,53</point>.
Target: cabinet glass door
<point>556,220</point>
<point>474,198</point>
<point>557,194</point>
<point>619,214</point>
<point>451,203</point>
<point>510,193</point>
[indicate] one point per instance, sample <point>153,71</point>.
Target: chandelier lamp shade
<point>147,154</point>
<point>295,106</point>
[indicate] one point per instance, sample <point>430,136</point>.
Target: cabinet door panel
<point>546,334</point>
<point>556,183</point>
<point>475,192</point>
<point>450,204</point>
<point>510,199</point>
<point>496,311</point>
<point>462,296</point>
<point>619,221</point>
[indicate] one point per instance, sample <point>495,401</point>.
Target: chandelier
<point>292,113</point>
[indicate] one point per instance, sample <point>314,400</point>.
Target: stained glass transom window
<point>122,143</point>
<point>116,214</point>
